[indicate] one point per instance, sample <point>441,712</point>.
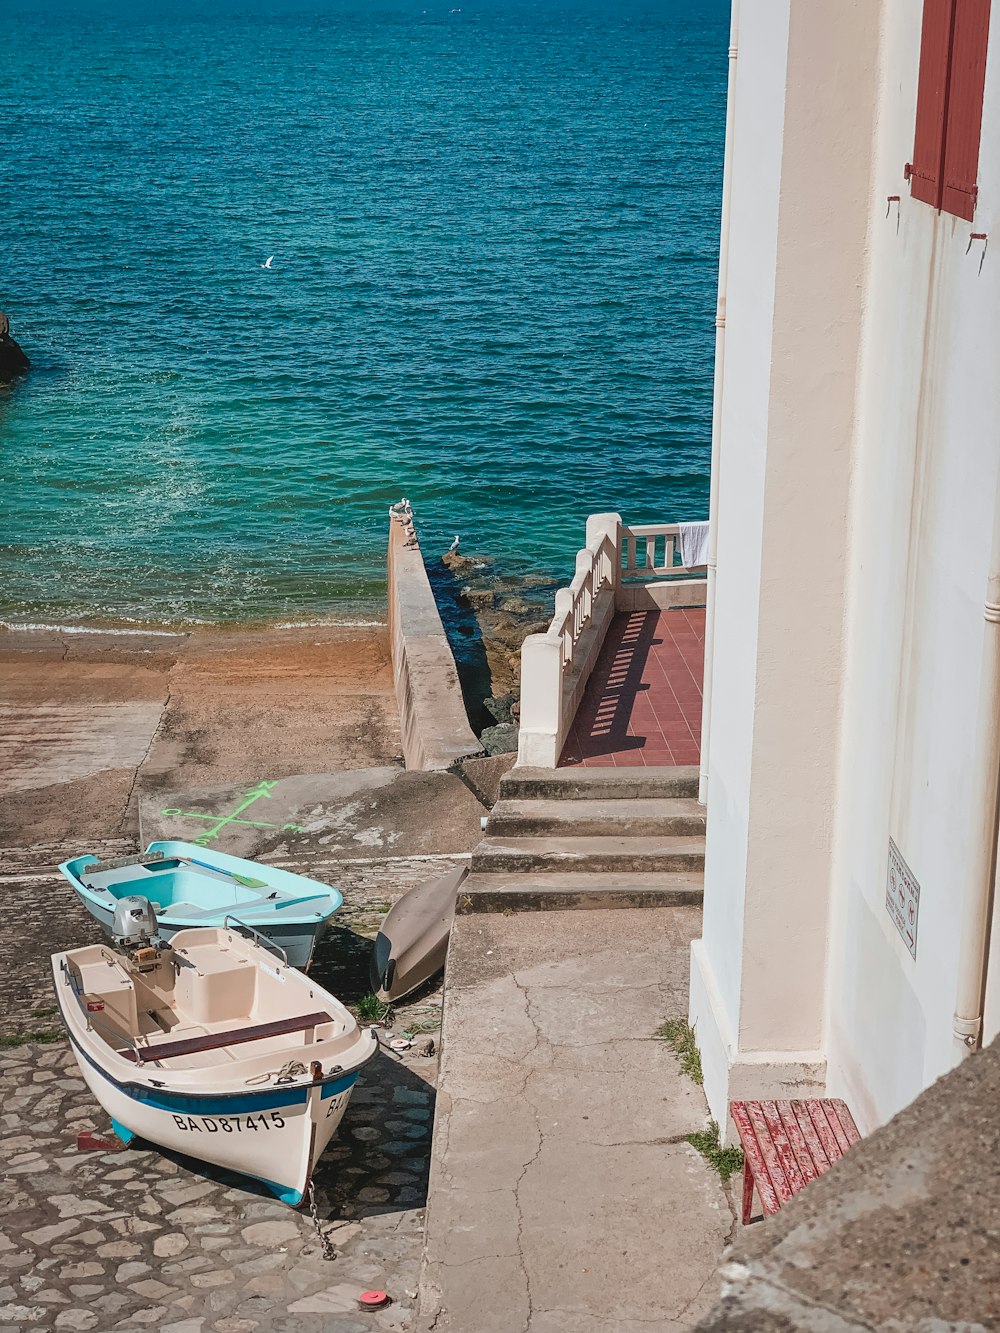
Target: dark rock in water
<point>501,707</point>
<point>517,606</point>
<point>479,598</point>
<point>13,359</point>
<point>500,740</point>
<point>462,564</point>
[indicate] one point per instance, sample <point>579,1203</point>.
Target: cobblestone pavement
<point>137,1239</point>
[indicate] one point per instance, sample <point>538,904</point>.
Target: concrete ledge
<point>599,783</point>
<point>432,717</point>
<point>575,892</point>
<point>635,596</point>
<point>602,855</point>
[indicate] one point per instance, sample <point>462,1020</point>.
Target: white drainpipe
<point>968,1021</point>
<point>720,348</point>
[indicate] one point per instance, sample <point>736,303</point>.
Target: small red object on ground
<point>374,1300</point>
<point>788,1143</point>
<point>88,1141</point>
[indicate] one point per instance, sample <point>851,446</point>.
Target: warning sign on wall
<point>902,898</point>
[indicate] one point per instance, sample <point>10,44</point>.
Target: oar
<point>247,881</point>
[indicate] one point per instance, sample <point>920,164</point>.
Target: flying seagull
<point>267,262</point>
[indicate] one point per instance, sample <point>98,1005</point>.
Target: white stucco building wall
<point>857,499</point>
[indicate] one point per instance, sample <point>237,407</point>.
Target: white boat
<point>211,1046</point>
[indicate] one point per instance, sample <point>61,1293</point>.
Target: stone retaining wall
<point>432,717</point>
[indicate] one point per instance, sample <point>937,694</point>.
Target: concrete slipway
<point>563,1195</point>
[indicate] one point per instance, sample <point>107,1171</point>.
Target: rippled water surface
<point>494,231</point>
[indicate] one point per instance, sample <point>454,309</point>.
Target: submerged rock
<point>480,599</point>
<point>463,564</point>
<point>501,739</point>
<point>517,606</point>
<point>501,707</point>
<point>13,359</point>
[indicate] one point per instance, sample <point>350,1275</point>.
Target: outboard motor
<point>134,932</point>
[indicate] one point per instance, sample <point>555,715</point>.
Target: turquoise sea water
<point>494,228</point>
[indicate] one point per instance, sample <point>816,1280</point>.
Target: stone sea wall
<point>433,720</point>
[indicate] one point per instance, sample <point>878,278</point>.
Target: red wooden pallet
<point>787,1144</point>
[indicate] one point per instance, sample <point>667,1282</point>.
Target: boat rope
<point>325,1242</point>
<point>283,1075</point>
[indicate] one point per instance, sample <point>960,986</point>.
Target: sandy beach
<point>86,717</point>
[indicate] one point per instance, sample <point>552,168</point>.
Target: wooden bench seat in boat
<point>213,1041</point>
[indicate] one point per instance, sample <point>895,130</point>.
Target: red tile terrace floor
<point>642,704</point>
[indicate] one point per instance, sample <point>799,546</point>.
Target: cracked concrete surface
<point>563,1195</point>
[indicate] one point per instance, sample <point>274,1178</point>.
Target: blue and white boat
<point>192,887</point>
<point>212,1047</point>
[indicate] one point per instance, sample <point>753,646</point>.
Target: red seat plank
<point>804,1120</point>
<point>788,1143</point>
<point>835,1107</point>
<point>754,1159</point>
<point>824,1131</point>
<point>213,1041</point>
<point>782,1147</point>
<point>797,1141</point>
<point>782,1188</point>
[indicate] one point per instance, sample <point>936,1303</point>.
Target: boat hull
<point>192,888</point>
<point>276,1135</point>
<point>216,1049</point>
<point>412,943</point>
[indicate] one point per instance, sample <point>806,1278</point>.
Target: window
<point>950,105</point>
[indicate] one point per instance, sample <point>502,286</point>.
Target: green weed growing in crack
<point>679,1036</point>
<point>373,1010</point>
<point>727,1161</point>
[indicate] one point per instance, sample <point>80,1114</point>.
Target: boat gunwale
<point>76,1027</point>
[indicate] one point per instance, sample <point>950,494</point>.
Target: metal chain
<point>325,1242</point>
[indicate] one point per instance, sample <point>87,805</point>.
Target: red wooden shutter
<point>927,167</point>
<point>965,107</point>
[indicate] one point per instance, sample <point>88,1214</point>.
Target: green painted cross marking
<point>219,822</point>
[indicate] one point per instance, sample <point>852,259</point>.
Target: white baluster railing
<point>659,544</point>
<point>556,665</point>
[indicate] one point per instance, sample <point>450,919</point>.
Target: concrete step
<point>635,817</point>
<point>597,854</point>
<point>598,784</point>
<point>569,890</point>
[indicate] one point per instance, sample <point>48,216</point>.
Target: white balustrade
<point>659,544</point>
<point>556,665</point>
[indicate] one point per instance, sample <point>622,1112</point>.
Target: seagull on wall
<point>267,262</point>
